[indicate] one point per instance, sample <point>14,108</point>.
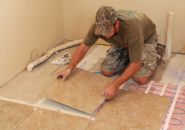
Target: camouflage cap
<point>106,17</point>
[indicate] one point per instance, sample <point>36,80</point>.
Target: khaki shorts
<point>117,59</point>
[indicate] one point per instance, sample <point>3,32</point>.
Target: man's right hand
<point>77,57</point>
<point>64,74</point>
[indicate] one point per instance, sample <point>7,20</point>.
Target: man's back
<point>135,22</point>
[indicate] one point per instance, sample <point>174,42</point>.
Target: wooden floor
<point>26,88</point>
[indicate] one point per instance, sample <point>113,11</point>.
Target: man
<point>133,53</point>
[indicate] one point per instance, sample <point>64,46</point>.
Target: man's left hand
<point>110,92</point>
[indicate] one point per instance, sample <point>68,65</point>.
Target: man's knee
<point>107,73</point>
<point>143,76</point>
<point>141,80</point>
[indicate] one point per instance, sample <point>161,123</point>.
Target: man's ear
<point>117,25</point>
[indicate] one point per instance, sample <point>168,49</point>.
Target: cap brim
<point>103,30</point>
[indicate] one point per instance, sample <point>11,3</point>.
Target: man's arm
<point>111,89</point>
<point>78,55</point>
<point>76,58</point>
<point>128,73</point>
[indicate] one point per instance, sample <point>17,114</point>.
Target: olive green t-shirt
<point>135,29</point>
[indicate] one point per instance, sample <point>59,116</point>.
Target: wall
<point>80,14</point>
<point>179,26</point>
<point>26,25</point>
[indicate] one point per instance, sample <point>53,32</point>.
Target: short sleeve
<point>91,38</point>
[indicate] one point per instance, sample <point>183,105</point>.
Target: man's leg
<point>143,76</point>
<point>115,61</point>
<point>149,61</point>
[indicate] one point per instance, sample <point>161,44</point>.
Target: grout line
<point>16,101</point>
<point>21,121</point>
<point>13,77</point>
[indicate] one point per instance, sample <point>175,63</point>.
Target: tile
<point>132,111</point>
<point>12,114</point>
<point>81,91</point>
<point>48,120</point>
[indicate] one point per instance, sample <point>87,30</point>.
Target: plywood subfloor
<point>11,114</point>
<point>48,120</point>
<point>132,111</point>
<point>81,91</point>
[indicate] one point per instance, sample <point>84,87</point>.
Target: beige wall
<point>179,25</point>
<point>79,15</point>
<point>26,25</point>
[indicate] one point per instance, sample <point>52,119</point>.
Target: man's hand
<point>64,74</point>
<point>77,57</point>
<point>110,92</point>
